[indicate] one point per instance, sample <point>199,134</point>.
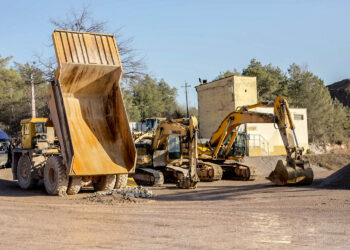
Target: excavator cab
<point>239,147</point>
<point>174,149</point>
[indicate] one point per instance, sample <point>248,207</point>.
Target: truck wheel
<point>25,173</point>
<point>74,185</point>
<point>122,181</point>
<point>105,183</point>
<point>55,177</point>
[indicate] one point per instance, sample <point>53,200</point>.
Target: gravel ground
<point>218,215</point>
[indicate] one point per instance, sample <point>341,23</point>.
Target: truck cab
<point>37,133</point>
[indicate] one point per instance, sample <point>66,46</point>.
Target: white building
<point>265,139</point>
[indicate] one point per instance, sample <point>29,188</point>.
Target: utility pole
<point>186,86</point>
<point>33,93</point>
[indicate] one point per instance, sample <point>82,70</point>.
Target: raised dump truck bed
<point>86,105</point>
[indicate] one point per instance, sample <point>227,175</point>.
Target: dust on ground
<point>217,215</point>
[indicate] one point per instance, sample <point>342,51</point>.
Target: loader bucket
<point>87,108</point>
<point>285,174</point>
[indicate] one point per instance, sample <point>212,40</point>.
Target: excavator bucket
<point>87,107</point>
<point>286,173</point>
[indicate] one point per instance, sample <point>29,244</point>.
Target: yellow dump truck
<point>95,145</point>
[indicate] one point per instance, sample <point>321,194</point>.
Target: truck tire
<point>74,185</point>
<point>122,181</point>
<point>55,177</point>
<point>105,183</point>
<point>25,173</point>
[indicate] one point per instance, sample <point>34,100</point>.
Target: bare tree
<point>82,20</point>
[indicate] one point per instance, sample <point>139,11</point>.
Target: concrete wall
<point>219,98</point>
<point>269,137</point>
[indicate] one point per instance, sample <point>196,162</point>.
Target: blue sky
<point>183,40</point>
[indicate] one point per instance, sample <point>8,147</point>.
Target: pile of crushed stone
<point>123,195</point>
<point>135,192</point>
<point>339,179</point>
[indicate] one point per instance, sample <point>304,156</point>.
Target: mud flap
<point>285,174</point>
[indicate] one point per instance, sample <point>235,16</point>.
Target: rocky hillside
<point>341,91</point>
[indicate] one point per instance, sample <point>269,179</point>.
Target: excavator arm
<point>294,169</point>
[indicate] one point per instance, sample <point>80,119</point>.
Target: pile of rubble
<point>123,195</point>
<point>134,192</point>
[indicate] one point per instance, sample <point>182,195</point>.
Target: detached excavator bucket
<point>87,107</point>
<point>285,173</point>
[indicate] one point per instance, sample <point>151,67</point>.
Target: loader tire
<point>74,185</point>
<point>55,177</point>
<point>25,173</point>
<point>105,183</point>
<point>122,181</point>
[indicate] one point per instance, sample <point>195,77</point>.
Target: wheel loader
<point>219,148</point>
<point>94,144</point>
<point>160,157</point>
<point>151,125</point>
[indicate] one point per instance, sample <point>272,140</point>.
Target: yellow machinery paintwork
<point>86,105</point>
<point>28,131</point>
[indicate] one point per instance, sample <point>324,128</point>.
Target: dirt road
<point>220,215</point>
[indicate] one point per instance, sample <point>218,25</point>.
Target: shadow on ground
<point>11,189</point>
<point>238,192</point>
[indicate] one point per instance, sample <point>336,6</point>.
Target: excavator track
<point>148,177</point>
<point>208,171</point>
<point>239,171</point>
<point>181,175</point>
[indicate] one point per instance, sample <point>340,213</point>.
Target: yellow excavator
<point>160,158</point>
<point>292,170</point>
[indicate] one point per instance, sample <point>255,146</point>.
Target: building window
<point>298,117</point>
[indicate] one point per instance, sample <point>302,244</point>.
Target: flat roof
<point>225,78</point>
